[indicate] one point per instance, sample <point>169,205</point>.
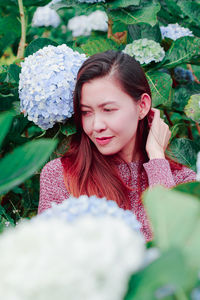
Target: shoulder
<point>52,167</point>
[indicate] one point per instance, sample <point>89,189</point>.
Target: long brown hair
<point>86,170</point>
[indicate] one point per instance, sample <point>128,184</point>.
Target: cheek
<point>86,125</point>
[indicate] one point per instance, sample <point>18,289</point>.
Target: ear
<point>144,105</point>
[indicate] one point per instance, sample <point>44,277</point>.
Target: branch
<point>198,127</point>
<point>22,43</point>
<point>195,77</point>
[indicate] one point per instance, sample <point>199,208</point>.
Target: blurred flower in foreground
<point>181,74</point>
<point>45,16</point>
<point>174,31</point>
<point>83,25</point>
<point>145,51</point>
<point>91,259</point>
<point>74,208</point>
<point>47,81</point>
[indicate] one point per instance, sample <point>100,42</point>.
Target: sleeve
<point>52,187</point>
<point>159,173</point>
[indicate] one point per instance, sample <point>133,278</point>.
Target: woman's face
<point>110,117</point>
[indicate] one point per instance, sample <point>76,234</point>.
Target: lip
<point>103,140</point>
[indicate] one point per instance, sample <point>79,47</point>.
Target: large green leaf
<point>35,2</point>
<point>23,162</point>
<point>146,14</point>
<point>183,50</point>
<point>98,45</point>
<point>161,86</point>
<point>5,123</point>
<point>175,217</point>
<point>191,188</point>
<point>122,3</point>
<point>141,31</point>
<point>38,44</point>
<point>184,151</point>
<point>168,272</point>
<point>191,9</point>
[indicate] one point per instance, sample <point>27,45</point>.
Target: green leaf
<point>190,9</point>
<point>38,44</point>
<point>142,31</point>
<point>167,210</point>
<point>161,86</point>
<point>147,14</point>
<point>182,95</point>
<point>23,162</point>
<point>192,109</point>
<point>13,73</point>
<point>28,3</point>
<point>191,188</point>
<point>69,128</point>
<point>168,272</point>
<point>98,45</point>
<point>5,123</point>
<point>122,3</point>
<point>184,151</point>
<point>183,50</point>
<point>175,219</point>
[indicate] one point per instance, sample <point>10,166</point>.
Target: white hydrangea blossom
<point>45,16</point>
<point>51,259</point>
<point>73,208</point>
<point>198,167</point>
<point>174,31</point>
<point>83,25</point>
<point>47,81</point>
<point>145,51</point>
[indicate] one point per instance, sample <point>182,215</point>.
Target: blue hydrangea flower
<point>46,85</point>
<point>73,208</point>
<point>145,51</point>
<point>174,31</point>
<point>181,74</point>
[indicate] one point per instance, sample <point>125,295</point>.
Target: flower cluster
<point>174,31</point>
<point>47,81</point>
<point>145,51</point>
<point>83,25</point>
<point>90,1</point>
<point>45,16</point>
<point>91,259</point>
<point>73,208</point>
<point>181,74</point>
<point>192,109</point>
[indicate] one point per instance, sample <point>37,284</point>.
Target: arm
<point>159,172</point>
<point>52,187</point>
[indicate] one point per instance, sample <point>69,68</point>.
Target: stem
<point>189,130</point>
<point>195,77</point>
<point>110,24</point>
<point>168,117</point>
<point>22,43</point>
<point>198,127</point>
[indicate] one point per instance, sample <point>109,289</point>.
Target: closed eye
<point>108,109</point>
<point>85,112</point>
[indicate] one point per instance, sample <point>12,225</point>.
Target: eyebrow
<point>101,105</point>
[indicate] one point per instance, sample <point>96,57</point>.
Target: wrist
<point>158,155</point>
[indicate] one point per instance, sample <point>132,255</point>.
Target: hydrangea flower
<point>83,25</point>
<point>192,109</point>
<point>90,1</point>
<point>145,51</point>
<point>181,74</point>
<point>45,16</point>
<point>175,31</point>
<point>74,208</point>
<point>51,259</point>
<point>47,81</point>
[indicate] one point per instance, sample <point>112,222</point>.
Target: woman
<point>119,148</point>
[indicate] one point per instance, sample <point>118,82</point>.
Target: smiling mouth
<point>104,140</point>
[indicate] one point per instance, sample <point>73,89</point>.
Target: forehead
<point>104,89</point>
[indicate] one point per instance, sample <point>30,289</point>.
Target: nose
<point>98,123</point>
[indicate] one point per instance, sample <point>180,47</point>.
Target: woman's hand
<point>159,135</point>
